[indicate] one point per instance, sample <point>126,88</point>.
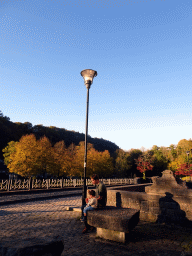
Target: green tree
<point>159,158</point>
<point>133,154</point>
<point>122,163</point>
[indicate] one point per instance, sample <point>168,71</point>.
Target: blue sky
<point>140,49</point>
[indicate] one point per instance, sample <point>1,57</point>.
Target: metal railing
<point>29,184</point>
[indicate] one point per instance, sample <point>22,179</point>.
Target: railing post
<point>74,182</point>
<point>11,183</point>
<point>30,183</point>
<point>8,185</point>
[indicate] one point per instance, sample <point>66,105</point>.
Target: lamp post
<point>88,75</point>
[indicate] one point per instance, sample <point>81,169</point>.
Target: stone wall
<point>162,203</point>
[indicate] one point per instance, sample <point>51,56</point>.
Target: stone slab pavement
<point>25,222</point>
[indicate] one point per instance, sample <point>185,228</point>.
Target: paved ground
<point>24,196</point>
<point>47,219</point>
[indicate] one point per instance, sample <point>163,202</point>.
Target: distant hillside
<point>14,131</point>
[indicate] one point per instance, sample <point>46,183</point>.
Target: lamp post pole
<point>88,75</point>
<point>85,155</point>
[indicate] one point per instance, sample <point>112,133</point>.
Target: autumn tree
<point>92,161</point>
<point>71,160</point>
<point>106,164</point>
<point>185,145</point>
<point>99,162</point>
<point>8,151</point>
<point>184,170</point>
<point>29,157</point>
<point>22,158</point>
<point>45,157</point>
<point>79,158</point>
<point>183,156</point>
<point>143,165</point>
<point>61,159</point>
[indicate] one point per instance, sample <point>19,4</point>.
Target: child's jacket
<point>92,202</point>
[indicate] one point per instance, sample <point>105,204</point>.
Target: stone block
<point>144,206</point>
<point>167,183</point>
<point>125,204</point>
<point>152,217</point>
<point>112,218</point>
<point>154,210</point>
<point>153,204</point>
<point>111,235</point>
<point>143,216</point>
<point>133,203</point>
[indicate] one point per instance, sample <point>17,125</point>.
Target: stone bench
<point>113,223</point>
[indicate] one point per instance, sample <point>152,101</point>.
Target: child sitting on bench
<point>91,204</point>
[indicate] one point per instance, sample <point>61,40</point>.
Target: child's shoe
<point>92,228</point>
<point>85,230</point>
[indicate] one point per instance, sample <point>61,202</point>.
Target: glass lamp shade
<point>88,75</point>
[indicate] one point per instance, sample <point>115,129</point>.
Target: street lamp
<point>88,75</point>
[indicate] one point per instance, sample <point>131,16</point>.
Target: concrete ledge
<point>75,209</point>
<point>151,206</point>
<point>111,235</point>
